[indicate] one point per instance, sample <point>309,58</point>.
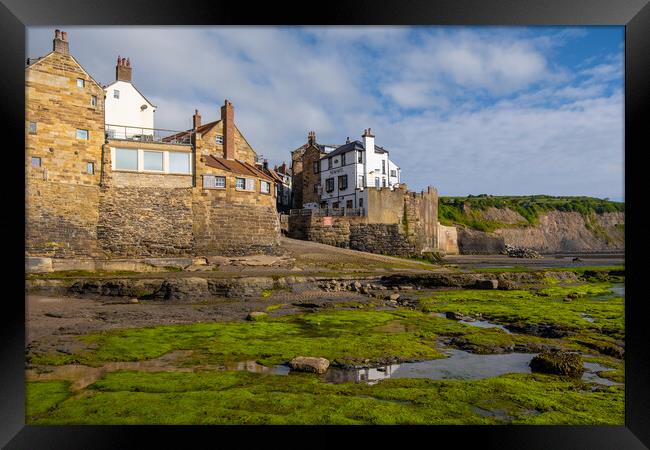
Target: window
<point>315,188</point>
<point>245,184</point>
<point>360,203</point>
<point>376,182</point>
<point>219,139</point>
<point>93,100</point>
<point>329,163</point>
<point>90,168</point>
<point>152,161</point>
<point>335,205</point>
<point>343,182</point>
<point>349,204</point>
<point>383,181</point>
<point>316,166</point>
<point>383,167</point>
<point>179,162</point>
<point>80,82</point>
<point>214,182</point>
<point>116,93</point>
<point>329,184</point>
<point>265,187</point>
<point>126,159</point>
<point>36,161</point>
<point>360,181</point>
<point>393,173</point>
<point>82,134</point>
<point>32,127</point>
<point>360,159</point>
<point>343,159</point>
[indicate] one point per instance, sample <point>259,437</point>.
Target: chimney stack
<point>228,123</point>
<point>123,69</point>
<point>196,119</point>
<point>283,167</point>
<point>265,164</point>
<point>60,42</point>
<point>311,137</point>
<point>368,140</point>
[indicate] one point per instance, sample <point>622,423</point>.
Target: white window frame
<point>82,84</point>
<point>40,161</point>
<point>90,168</point>
<point>93,100</point>
<point>189,161</point>
<point>141,153</point>
<point>211,182</point>
<point>219,139</point>
<point>268,187</point>
<point>116,93</point>
<point>77,134</point>
<point>140,159</point>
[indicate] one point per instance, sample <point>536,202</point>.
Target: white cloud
<point>422,93</point>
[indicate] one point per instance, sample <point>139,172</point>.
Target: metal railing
<point>328,212</point>
<point>139,134</point>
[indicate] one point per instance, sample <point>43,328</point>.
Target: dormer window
<point>219,139</point>
<point>116,93</point>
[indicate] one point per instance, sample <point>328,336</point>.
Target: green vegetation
<point>79,273</point>
<point>247,398</point>
<point>466,210</point>
<point>44,396</point>
<point>353,336</point>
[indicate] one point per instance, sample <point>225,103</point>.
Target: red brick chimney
<point>283,168</point>
<point>60,43</point>
<point>196,119</point>
<point>311,137</point>
<point>228,119</point>
<point>123,69</point>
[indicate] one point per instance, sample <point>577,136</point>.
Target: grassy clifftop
<point>469,210</point>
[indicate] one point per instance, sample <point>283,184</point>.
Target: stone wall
<point>448,240</point>
<point>145,221</point>
<point>232,229</point>
<point>381,238</point>
<point>61,219</point>
<point>399,222</point>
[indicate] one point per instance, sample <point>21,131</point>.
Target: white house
<point>347,172</point>
<point>128,113</point>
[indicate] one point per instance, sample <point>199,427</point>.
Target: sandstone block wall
<point>61,219</point>
<point>232,229</point>
<point>381,238</point>
<point>145,221</point>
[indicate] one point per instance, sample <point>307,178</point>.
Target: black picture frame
<point>15,15</point>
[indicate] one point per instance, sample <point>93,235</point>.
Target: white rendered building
<point>347,172</point>
<point>128,113</point>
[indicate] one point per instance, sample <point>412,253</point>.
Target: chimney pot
<point>123,70</point>
<point>196,119</point>
<point>60,42</point>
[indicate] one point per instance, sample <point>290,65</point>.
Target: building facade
<point>306,172</point>
<point>94,193</point>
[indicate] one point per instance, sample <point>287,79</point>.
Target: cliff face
<point>555,232</point>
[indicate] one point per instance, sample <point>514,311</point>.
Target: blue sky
<point>469,110</point>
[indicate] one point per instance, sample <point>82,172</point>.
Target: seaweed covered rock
<point>558,362</point>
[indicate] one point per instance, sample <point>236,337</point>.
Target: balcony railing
<point>127,133</point>
<point>328,212</point>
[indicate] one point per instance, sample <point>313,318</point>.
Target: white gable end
<point>126,107</point>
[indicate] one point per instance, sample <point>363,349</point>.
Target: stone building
<point>92,193</point>
<point>305,172</point>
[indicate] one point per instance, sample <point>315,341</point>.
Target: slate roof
<point>236,166</point>
<point>354,145</point>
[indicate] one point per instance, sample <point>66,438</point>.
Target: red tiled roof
<point>236,166</point>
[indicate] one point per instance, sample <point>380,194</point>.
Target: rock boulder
<point>309,364</point>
